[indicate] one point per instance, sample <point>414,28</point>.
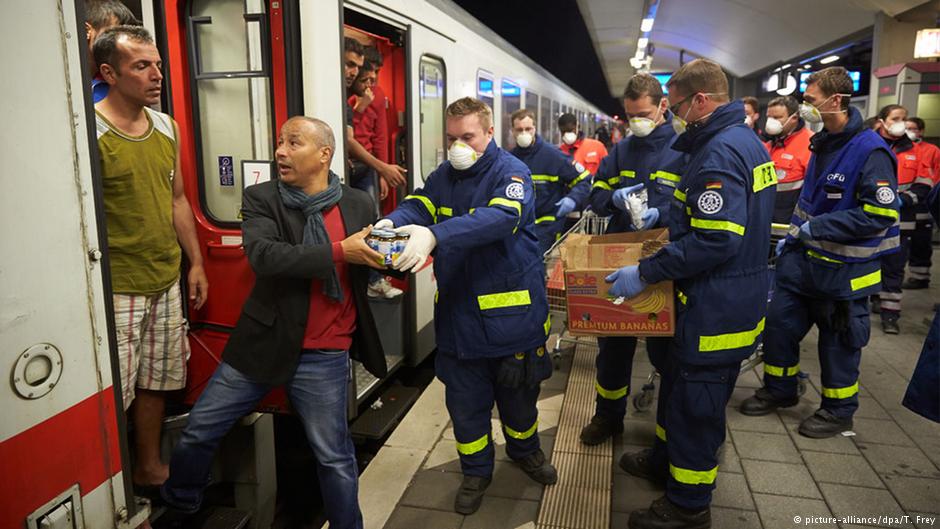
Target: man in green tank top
<point>148,219</point>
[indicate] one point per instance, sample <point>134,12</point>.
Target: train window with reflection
<point>556,113</point>
<point>232,98</point>
<point>512,101</point>
<point>532,103</point>
<point>433,99</point>
<point>485,91</point>
<point>545,118</point>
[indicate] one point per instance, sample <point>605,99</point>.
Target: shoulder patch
<point>578,167</point>
<point>884,195</point>
<point>713,184</point>
<point>517,179</point>
<point>710,202</point>
<point>515,191</point>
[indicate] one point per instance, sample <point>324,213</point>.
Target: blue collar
<point>727,115</point>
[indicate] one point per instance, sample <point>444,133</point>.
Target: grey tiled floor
<point>768,475</point>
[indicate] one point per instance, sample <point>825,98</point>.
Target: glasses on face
<point>675,108</point>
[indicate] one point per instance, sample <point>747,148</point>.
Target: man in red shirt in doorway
<point>584,151</point>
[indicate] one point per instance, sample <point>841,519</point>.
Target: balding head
<point>319,131</point>
<point>305,149</point>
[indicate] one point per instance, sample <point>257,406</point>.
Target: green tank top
<point>137,183</point>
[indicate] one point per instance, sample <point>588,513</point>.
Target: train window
<point>433,99</point>
<point>532,103</point>
<point>512,101</point>
<point>556,113</point>
<point>232,97</point>
<point>545,118</point>
<point>485,91</point>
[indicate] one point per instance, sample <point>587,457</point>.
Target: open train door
<point>62,433</point>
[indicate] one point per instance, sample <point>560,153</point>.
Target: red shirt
<point>330,324</point>
<point>587,152</point>
<point>930,153</point>
<point>791,158</point>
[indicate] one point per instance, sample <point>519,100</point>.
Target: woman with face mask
<point>787,141</point>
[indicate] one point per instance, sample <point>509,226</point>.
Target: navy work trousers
<point>614,365</point>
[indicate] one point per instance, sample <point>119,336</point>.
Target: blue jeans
<point>318,393</point>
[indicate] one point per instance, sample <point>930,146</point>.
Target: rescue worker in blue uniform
<point>717,259</point>
<point>476,214</point>
<point>560,185</point>
<point>645,159</point>
<point>846,219</point>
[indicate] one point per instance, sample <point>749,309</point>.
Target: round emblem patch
<point>885,195</point>
<point>710,202</point>
<point>578,167</point>
<point>515,191</point>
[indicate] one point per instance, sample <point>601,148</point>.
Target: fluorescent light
<point>787,65</point>
<point>646,25</point>
<point>641,44</point>
<point>640,54</point>
<point>827,60</point>
<point>773,83</point>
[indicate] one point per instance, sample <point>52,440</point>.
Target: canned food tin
<point>388,243</point>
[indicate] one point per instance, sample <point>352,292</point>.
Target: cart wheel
<point>644,400</point>
<point>801,379</point>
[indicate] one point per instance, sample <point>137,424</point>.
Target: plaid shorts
<point>152,343</point>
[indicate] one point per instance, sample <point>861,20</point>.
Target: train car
<point>234,72</point>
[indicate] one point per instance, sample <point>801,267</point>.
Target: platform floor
<point>768,476</point>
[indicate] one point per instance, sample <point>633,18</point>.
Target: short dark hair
<point>871,123</point>
<point>522,113</point>
<point>372,55</point>
<point>99,13</point>
<point>351,44</point>
<point>367,66</point>
<point>700,75</point>
<point>785,101</point>
<point>643,84</point>
<point>566,120</point>
<point>919,122</point>
<point>751,100</point>
<point>833,80</point>
<point>888,109</point>
<point>105,49</point>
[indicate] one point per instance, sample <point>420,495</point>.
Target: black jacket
<point>268,338</point>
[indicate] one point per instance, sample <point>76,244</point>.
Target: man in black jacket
<point>306,315</point>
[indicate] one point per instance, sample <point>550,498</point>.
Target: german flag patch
<point>713,184</point>
<point>517,179</point>
<point>883,183</point>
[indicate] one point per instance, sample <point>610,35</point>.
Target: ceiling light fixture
<point>646,25</point>
<point>641,44</point>
<point>829,59</point>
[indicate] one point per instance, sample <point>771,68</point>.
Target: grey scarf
<point>312,207</point>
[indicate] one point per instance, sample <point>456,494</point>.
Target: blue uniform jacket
<point>634,160</point>
<point>490,277</point>
<point>851,203</point>
<point>719,240</point>
<point>554,177</point>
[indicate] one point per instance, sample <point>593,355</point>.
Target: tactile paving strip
<point>581,499</point>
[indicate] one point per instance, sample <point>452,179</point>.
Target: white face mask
<point>643,127</point>
<point>524,139</point>
<point>462,156</point>
<point>896,129</point>
<point>912,135</point>
<point>774,126</point>
<point>812,114</point>
<point>569,138</point>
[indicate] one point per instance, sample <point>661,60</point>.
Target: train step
<point>385,413</point>
<point>208,518</point>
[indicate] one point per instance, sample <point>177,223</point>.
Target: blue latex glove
<point>565,206</point>
<point>805,233</point>
<point>650,218</point>
<point>780,244</point>
<point>626,282</point>
<point>619,197</point>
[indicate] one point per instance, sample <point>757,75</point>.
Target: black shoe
<point>536,467</point>
<point>889,325</point>
<point>823,424</point>
<point>875,305</point>
<point>916,284</point>
<point>764,402</point>
<point>600,429</point>
<point>640,465</point>
<point>470,495</point>
<point>663,514</point>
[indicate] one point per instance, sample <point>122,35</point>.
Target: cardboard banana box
<point>588,259</point>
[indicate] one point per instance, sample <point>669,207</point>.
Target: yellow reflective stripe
<point>613,180</point>
<point>765,175</point>
<point>546,218</point>
<point>781,371</point>
<point>548,324</point>
<point>602,184</point>
<point>626,173</point>
<point>717,225</point>
<point>521,435</point>
<point>469,449</point>
<point>884,212</point>
<point>682,297</point>
<point>514,204</point>
<point>611,394</point>
<point>688,211</point>
<point>822,257</point>
<point>544,178</point>
<point>866,280</point>
<point>436,293</point>
<point>580,177</point>
<point>731,340</point>
<point>665,176</point>
<point>444,210</point>
<point>679,195</point>
<point>840,393</point>
<point>693,477</point>
<point>427,203</point>
<point>504,299</point>
<point>661,433</point>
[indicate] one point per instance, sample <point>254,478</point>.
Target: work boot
<point>536,467</point>
<point>889,323</point>
<point>640,464</point>
<point>915,284</point>
<point>600,429</point>
<point>764,402</point>
<point>663,514</point>
<point>823,424</point>
<point>470,495</point>
<point>875,304</point>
